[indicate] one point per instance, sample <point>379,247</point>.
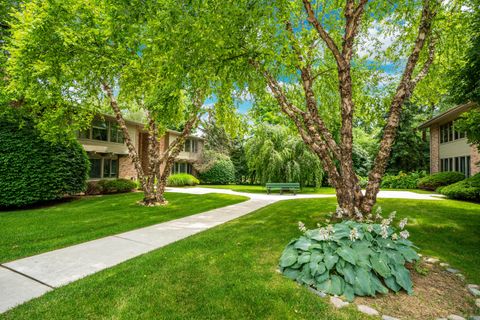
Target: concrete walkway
<point>31,277</point>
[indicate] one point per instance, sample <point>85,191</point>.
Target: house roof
<point>453,112</point>
<point>142,125</point>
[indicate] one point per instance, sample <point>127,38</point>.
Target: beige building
<point>449,150</point>
<point>108,153</point>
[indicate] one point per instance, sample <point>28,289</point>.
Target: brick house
<point>449,150</point>
<point>108,153</point>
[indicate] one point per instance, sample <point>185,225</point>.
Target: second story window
<point>190,145</point>
<point>103,131</point>
<point>99,130</point>
<point>448,133</point>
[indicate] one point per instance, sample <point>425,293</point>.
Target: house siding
<point>474,159</point>
<point>434,149</point>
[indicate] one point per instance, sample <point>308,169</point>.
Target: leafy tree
<point>71,59</point>
<point>308,56</point>
<point>275,153</point>
<point>410,152</point>
<point>466,83</point>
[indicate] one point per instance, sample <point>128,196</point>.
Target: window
<point>190,145</point>
<point>95,168</point>
<point>448,133</point>
<point>116,134</point>
<point>103,168</point>
<point>99,130</point>
<point>182,167</point>
<point>459,164</point>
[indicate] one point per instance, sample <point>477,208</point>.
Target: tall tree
<point>308,54</point>
<point>71,59</point>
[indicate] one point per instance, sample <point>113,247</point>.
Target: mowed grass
<point>305,190</point>
<point>33,231</point>
<point>229,272</point>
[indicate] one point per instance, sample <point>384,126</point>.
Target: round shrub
<point>221,172</point>
<point>351,259</point>
<point>182,179</point>
<point>433,181</point>
<point>402,180</point>
<point>34,170</point>
<point>468,189</point>
<point>116,186</point>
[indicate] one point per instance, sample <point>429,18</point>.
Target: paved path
<point>31,277</point>
<point>277,197</point>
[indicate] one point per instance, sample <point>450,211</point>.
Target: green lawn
<point>29,232</point>
<point>228,272</point>
<point>306,190</point>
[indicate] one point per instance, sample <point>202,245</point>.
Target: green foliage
<point>276,154</point>
<point>470,123</point>
<point>116,186</point>
<point>221,172</point>
<point>351,259</point>
<point>402,180</point>
<point>34,170</point>
<point>465,84</point>
<point>410,152</point>
<point>182,179</point>
<point>440,179</point>
<point>468,189</point>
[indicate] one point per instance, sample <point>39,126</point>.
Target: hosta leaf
<point>349,273</point>
<point>379,264</point>
<point>392,283</point>
<point>395,257</point>
<point>409,254</point>
<point>324,276</point>
<point>306,276</point>
<point>324,286</point>
<point>362,284</point>
<point>317,268</point>
<point>291,273</point>
<point>348,292</point>
<point>316,256</point>
<point>304,258</point>
<point>342,231</point>
<point>330,260</point>
<point>377,285</point>
<point>289,257</point>
<point>303,244</point>
<point>347,254</point>
<point>402,276</point>
<point>337,285</point>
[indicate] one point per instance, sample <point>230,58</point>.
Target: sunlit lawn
<point>229,272</point>
<point>29,232</point>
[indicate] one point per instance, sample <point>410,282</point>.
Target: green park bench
<point>285,186</point>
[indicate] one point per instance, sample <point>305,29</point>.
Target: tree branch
<point>322,32</point>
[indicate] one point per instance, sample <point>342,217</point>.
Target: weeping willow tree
<point>275,153</point>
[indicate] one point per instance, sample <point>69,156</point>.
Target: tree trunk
<point>147,186</point>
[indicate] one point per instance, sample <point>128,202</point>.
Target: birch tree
<point>323,63</point>
<point>69,60</point>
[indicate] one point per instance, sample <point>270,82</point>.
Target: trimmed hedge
<point>34,170</point>
<point>433,181</point>
<point>182,179</point>
<point>468,189</point>
<point>222,172</point>
<point>110,186</point>
<point>402,180</point>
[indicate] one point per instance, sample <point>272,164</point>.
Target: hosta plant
<point>352,258</point>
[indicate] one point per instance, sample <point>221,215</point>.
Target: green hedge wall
<point>440,179</point>
<point>34,170</point>
<point>222,172</point>
<point>468,189</point>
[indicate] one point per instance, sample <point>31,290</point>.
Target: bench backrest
<point>283,185</point>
